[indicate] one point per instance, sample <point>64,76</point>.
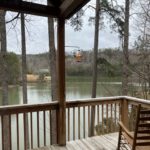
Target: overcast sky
<point>37,35</point>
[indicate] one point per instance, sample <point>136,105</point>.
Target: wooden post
<point>124,112</point>
<point>6,133</point>
<point>61,82</point>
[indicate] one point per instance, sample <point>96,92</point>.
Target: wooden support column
<point>124,112</point>
<point>61,82</point>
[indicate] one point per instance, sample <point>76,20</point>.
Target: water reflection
<point>41,92</point>
<point>79,90</point>
<point>13,96</point>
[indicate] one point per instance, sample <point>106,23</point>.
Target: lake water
<point>41,92</point>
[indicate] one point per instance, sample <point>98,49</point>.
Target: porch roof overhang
<point>56,8</point>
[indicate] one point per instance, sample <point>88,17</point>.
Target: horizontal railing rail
<point>92,101</point>
<point>136,101</point>
<point>7,110</point>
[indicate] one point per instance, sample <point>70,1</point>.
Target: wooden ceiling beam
<point>70,7</point>
<point>29,8</point>
<point>55,2</point>
<point>57,9</point>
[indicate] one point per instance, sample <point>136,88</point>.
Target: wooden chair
<point>140,138</point>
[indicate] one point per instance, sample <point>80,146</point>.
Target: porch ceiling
<point>56,8</point>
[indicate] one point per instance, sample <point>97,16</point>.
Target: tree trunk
<point>52,60</point>
<point>3,49</point>
<point>24,63</point>
<point>94,80</point>
<point>125,50</point>
<point>24,73</point>
<point>54,79</point>
<point>4,80</point>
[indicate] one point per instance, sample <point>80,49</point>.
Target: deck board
<point>104,142</point>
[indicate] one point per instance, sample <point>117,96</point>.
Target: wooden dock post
<point>124,112</point>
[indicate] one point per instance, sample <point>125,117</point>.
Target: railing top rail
<point>98,99</point>
<point>75,103</point>
<point>138,100</point>
<point>93,101</point>
<point>14,109</point>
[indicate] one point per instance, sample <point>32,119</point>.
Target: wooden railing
<point>32,123</point>
<point>79,118</point>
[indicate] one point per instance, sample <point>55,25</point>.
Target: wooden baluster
<point>10,132</point>
<point>38,134</point>
<point>102,118</point>
<point>44,128</point>
<point>89,120</point>
<point>107,118</point>
<point>17,123</point>
<point>119,111</point>
<point>0,133</point>
<point>50,135</point>
<point>25,135</point>
<point>131,117</point>
<point>100,115</point>
<point>73,123</point>
<point>115,116</point>
<point>97,114</point>
<point>111,117</point>
<point>92,127</point>
<point>79,122</point>
<point>2,118</point>
<point>84,122</point>
<point>68,124</point>
<point>31,125</point>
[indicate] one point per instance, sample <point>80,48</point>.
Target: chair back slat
<point>143,144</point>
<point>145,112</point>
<point>144,119</point>
<point>144,125</point>
<point>142,130</point>
<point>143,138</point>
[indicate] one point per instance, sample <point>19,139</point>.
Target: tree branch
<point>13,18</point>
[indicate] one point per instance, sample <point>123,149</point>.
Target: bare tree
<point>4,79</point>
<point>53,73</point>
<point>54,86</point>
<point>96,38</point>
<point>24,62</point>
<point>125,77</point>
<point>142,46</point>
<point>24,74</point>
<point>94,76</point>
<point>3,49</point>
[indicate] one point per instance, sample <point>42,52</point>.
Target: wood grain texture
<point>61,82</point>
<point>104,142</point>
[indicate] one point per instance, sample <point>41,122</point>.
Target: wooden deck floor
<point>105,142</point>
